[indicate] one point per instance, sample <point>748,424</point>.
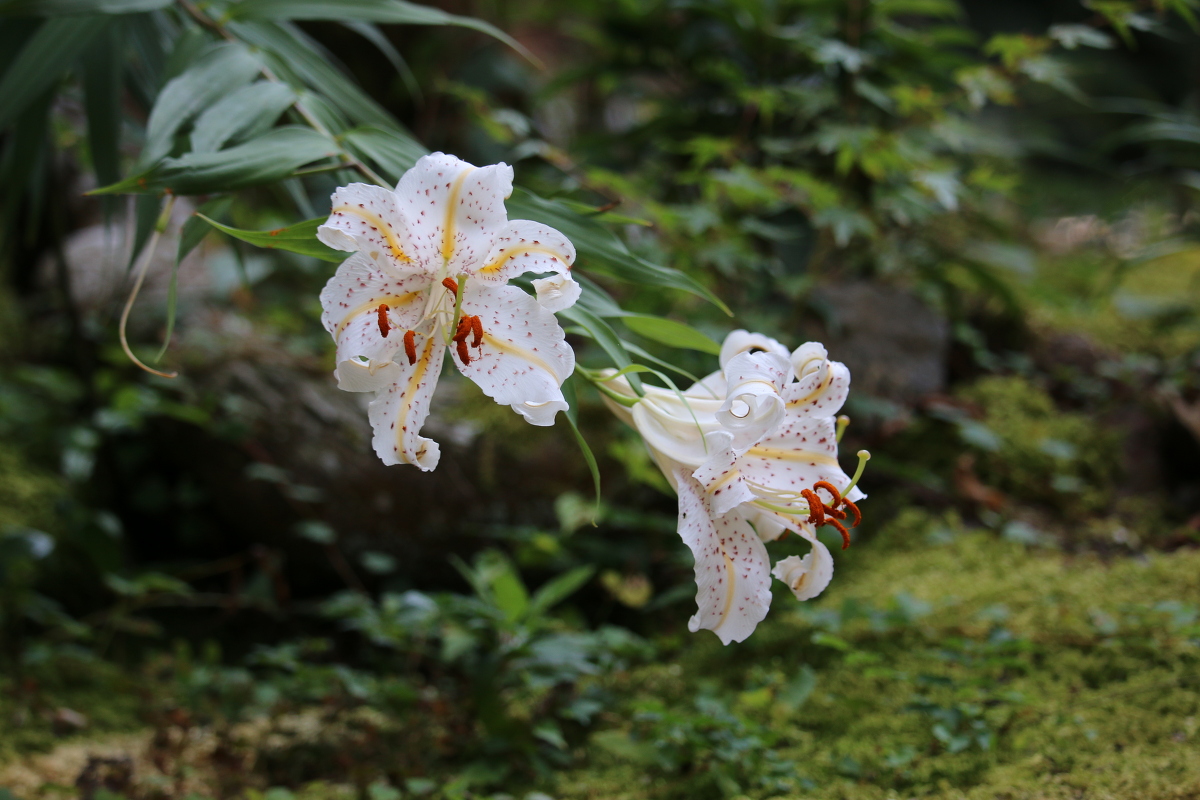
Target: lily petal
<point>350,305</point>
<point>398,411</point>
<point>525,246</point>
<point>742,341</point>
<point>753,405</point>
<point>820,391</point>
<point>802,452</point>
<point>807,577</point>
<point>456,209</point>
<point>557,293</point>
<point>732,578</point>
<point>523,357</point>
<point>369,219</point>
<point>722,480</point>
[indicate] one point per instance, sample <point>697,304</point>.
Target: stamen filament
<point>863,457</point>
<point>843,422</point>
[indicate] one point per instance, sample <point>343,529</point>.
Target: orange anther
<point>853,509</point>
<point>451,284</point>
<point>384,327</point>
<point>463,355</point>
<point>410,347</point>
<point>463,330</point>
<point>477,329</point>
<point>816,510</point>
<point>833,490</point>
<point>842,530</point>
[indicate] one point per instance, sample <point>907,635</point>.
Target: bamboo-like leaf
<point>56,8</point>
<point>299,238</point>
<point>296,58</point>
<point>43,60</point>
<point>102,101</point>
<point>372,34</point>
<point>269,158</point>
<point>572,415</point>
<point>246,113</point>
<point>600,250</point>
<point>194,231</point>
<point>396,12</point>
<point>219,71</point>
<point>392,151</point>
<point>670,333</point>
<point>604,336</point>
<point>558,589</point>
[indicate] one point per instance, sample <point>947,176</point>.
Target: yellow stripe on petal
<point>508,255</point>
<point>791,455</point>
<point>519,352</point>
<point>414,383</point>
<point>378,224</point>
<point>392,302</point>
<point>451,213</point>
<point>824,385</point>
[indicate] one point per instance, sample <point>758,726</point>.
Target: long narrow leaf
<point>603,336</point>
<point>670,333</point>
<point>55,8</point>
<point>600,250</point>
<point>372,34</point>
<point>43,61</point>
<point>397,12</point>
<point>222,69</point>
<point>295,57</point>
<point>246,113</point>
<point>572,415</point>
<point>267,159</point>
<point>102,102</point>
<point>299,238</point>
<point>392,151</point>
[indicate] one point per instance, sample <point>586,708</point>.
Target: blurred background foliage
<point>210,587</point>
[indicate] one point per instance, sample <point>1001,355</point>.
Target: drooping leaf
<point>572,415</point>
<point>603,334</point>
<point>101,77</point>
<point>219,71</point>
<point>372,34</point>
<point>600,250</point>
<point>56,8</point>
<point>392,151</point>
<point>299,238</point>
<point>246,113</point>
<point>670,333</point>
<point>396,12</point>
<point>297,58</point>
<point>43,60</point>
<point>193,232</point>
<point>271,157</point>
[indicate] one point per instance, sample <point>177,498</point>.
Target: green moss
<point>1052,676</point>
<point>27,496</point>
<point>1061,459</point>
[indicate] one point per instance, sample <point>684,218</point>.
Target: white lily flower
<point>430,269</point>
<point>747,449</point>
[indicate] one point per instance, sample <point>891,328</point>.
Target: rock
<point>894,344</point>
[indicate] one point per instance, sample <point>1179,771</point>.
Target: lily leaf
<point>42,61</point>
<point>599,248</point>
<point>268,158</point>
<point>299,238</point>
<point>670,333</point>
<point>56,8</point>
<point>221,70</point>
<point>396,12</point>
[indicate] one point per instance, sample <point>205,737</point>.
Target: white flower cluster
<point>430,272</point>
<point>749,449</point>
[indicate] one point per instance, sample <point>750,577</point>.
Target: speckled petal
<point>368,219</point>
<point>733,583</point>
<point>399,410</point>
<point>523,358</point>
<point>456,210</point>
